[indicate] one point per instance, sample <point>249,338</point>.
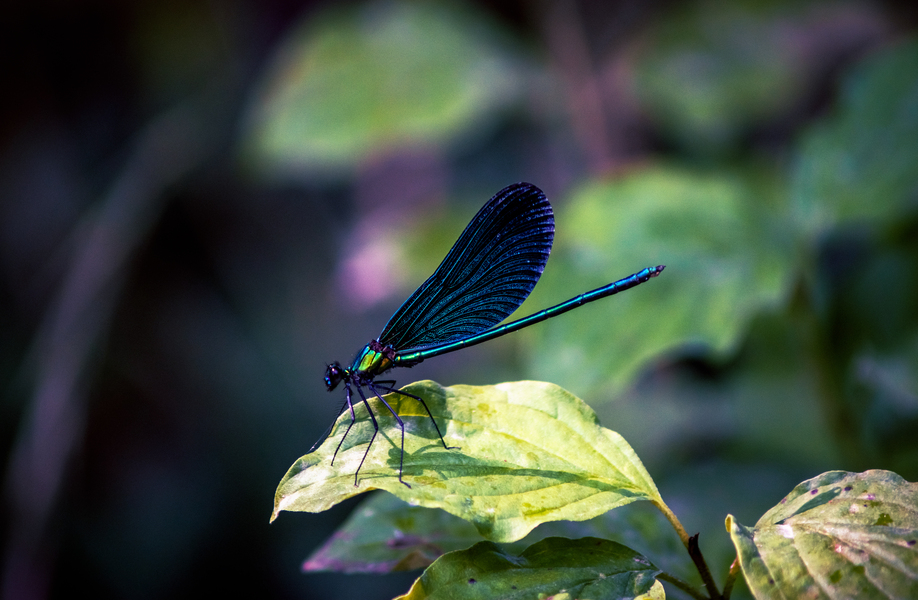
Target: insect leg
<point>401,424</point>
<point>389,388</point>
<point>347,403</point>
<point>330,427</point>
<point>375,431</point>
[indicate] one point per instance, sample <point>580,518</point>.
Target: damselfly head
<point>334,373</point>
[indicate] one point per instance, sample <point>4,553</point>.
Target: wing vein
<point>487,274</point>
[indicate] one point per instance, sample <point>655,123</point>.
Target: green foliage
<point>726,257</point>
<point>859,163</point>
<point>538,455</point>
<point>347,87</point>
<point>530,453</point>
<point>839,535</point>
<point>797,280</point>
<point>710,73</point>
<point>556,567</point>
<point>385,535</point>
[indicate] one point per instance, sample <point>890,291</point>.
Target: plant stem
<point>682,585</point>
<point>731,578</point>
<point>691,544</point>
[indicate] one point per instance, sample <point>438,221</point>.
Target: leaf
<point>352,84</point>
<point>859,163</point>
<point>839,535</point>
<point>554,567</point>
<point>709,72</point>
<point>727,258</point>
<point>384,534</point>
<point>530,453</point>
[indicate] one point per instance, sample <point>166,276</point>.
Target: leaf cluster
<point>793,282</point>
<point>536,455</point>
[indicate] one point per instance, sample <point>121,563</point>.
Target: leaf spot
<point>472,581</point>
<point>884,519</point>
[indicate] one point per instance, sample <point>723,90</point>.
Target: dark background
<point>168,303</point>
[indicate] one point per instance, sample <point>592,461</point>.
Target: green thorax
<point>374,359</point>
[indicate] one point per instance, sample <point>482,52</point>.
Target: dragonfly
<point>486,276</point>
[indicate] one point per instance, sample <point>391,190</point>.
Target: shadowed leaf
<point>384,534</point>
<point>554,567</point>
<point>726,258</point>
<point>356,83</point>
<point>859,163</point>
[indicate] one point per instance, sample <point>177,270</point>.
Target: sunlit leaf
<point>530,453</point>
<point>839,535</point>
<point>859,163</point>
<point>362,81</point>
<point>727,258</point>
<point>554,567</point>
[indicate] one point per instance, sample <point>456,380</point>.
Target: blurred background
<point>203,203</point>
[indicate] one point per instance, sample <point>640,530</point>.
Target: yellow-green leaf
<point>530,453</point>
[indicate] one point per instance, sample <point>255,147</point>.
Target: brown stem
<point>731,578</point>
<point>682,585</point>
<point>691,544</point>
<point>702,566</point>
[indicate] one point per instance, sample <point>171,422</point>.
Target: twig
<point>691,544</point>
<point>682,585</point>
<point>731,578</point>
<point>702,566</point>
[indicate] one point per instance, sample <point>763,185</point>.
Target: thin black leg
<point>375,431</point>
<point>389,388</point>
<point>347,401</point>
<point>401,424</point>
<point>329,430</point>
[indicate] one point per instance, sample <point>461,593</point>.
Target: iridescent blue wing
<point>487,274</point>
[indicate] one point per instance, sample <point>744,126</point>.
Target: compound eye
<point>333,376</point>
